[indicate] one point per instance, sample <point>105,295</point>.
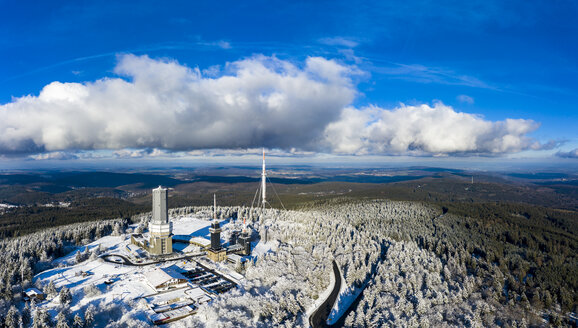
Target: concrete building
<point>236,259</point>
<point>202,243</point>
<point>245,241</point>
<point>165,278</point>
<point>160,228</point>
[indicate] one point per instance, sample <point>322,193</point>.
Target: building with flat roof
<point>33,293</point>
<point>202,242</point>
<point>165,278</point>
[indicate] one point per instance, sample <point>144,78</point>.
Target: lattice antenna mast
<point>264,182</point>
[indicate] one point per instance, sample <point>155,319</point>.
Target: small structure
<point>203,243</point>
<point>245,242</point>
<point>165,278</point>
<point>33,293</point>
<point>233,238</point>
<point>234,249</point>
<point>236,259</point>
<point>172,315</point>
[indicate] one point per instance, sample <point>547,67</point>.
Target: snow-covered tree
<point>78,322</point>
<point>62,320</point>
<point>50,290</point>
<point>12,317</point>
<point>65,295</point>
<point>89,315</point>
<point>26,318</point>
<point>91,290</point>
<point>41,319</point>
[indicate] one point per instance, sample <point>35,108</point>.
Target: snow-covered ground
<point>2,205</point>
<point>105,284</point>
<point>264,248</point>
<point>127,283</point>
<point>192,226</point>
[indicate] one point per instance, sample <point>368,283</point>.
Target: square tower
<point>160,228</point>
<point>160,210</point>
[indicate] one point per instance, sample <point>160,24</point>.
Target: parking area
<point>209,280</point>
<point>202,286</point>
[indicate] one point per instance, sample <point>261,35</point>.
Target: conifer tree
<point>78,322</point>
<point>12,317</point>
<point>50,289</point>
<point>65,295</point>
<point>89,316</point>
<point>62,320</point>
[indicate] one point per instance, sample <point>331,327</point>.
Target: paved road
<point>319,317</point>
<point>127,261</point>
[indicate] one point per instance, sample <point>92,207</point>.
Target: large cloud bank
<point>255,102</point>
<point>264,102</point>
<point>426,130</point>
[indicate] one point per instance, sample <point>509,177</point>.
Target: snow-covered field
<point>2,205</point>
<point>101,284</point>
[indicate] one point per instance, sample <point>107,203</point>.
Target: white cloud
<point>425,130</point>
<point>56,155</point>
<point>224,44</point>
<point>251,152</point>
<point>139,153</point>
<point>465,99</point>
<point>219,44</point>
<point>424,74</point>
<point>339,41</point>
<point>161,108</point>
<point>262,101</point>
<point>212,71</point>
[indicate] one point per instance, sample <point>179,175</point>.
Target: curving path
<point>319,317</point>
<point>127,261</point>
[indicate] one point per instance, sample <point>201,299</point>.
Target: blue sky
<point>394,66</point>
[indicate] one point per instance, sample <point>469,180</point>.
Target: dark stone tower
<point>216,252</point>
<point>215,230</point>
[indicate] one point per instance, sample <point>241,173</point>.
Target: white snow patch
<point>264,248</point>
<point>190,225</point>
<point>128,287</point>
<point>322,297</point>
<point>2,205</point>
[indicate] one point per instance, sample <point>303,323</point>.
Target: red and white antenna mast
<point>264,182</point>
